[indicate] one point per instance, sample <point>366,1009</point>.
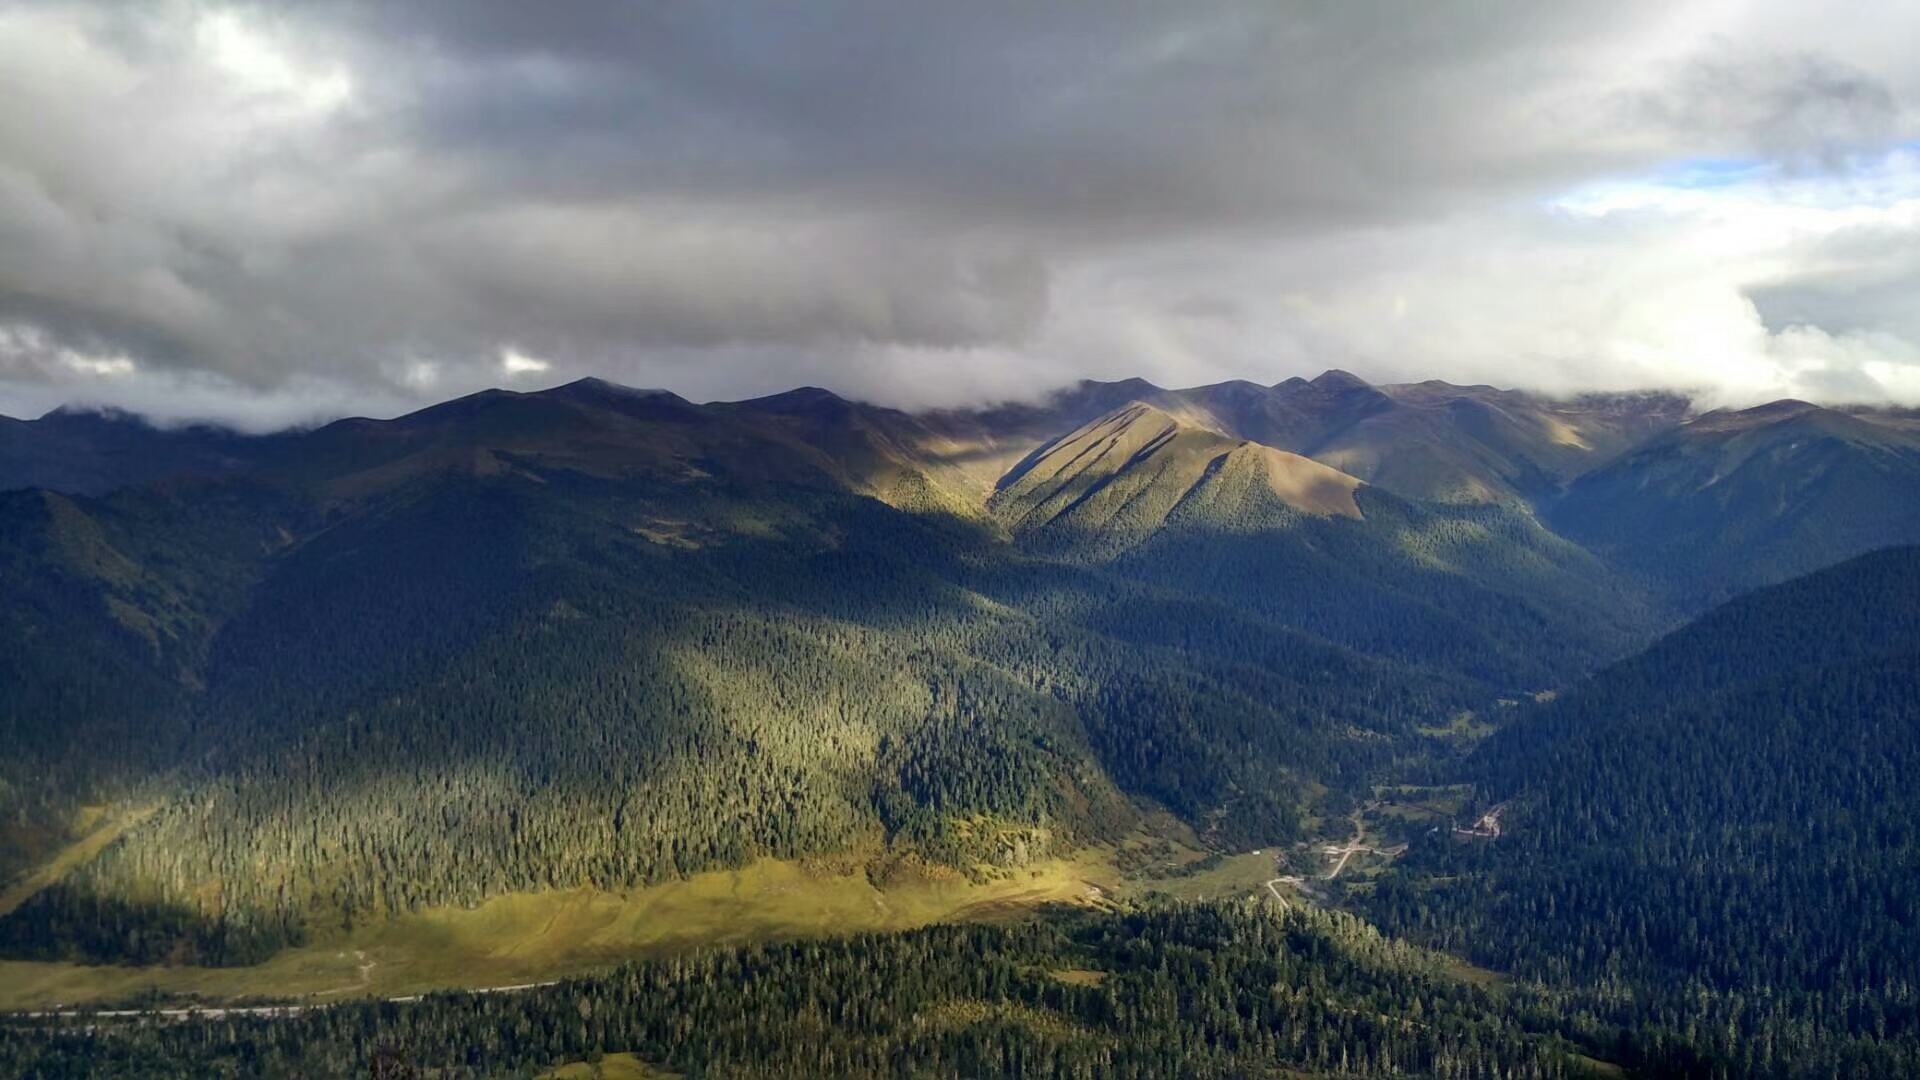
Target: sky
<point>274,214</point>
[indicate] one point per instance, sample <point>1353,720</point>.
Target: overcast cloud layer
<point>270,214</point>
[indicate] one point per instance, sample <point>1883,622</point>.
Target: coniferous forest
<point>1188,991</point>
<point>597,639</point>
<point>691,540</point>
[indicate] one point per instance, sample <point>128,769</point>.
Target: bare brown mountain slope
<point>1124,473</point>
<point>1431,441</point>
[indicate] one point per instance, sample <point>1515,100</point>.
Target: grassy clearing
<point>959,1015</point>
<point>1599,1070</point>
<point>105,830</point>
<point>611,1067</point>
<point>1398,813</point>
<point>1492,981</point>
<point>1165,859</point>
<point>533,937</point>
<point>1234,875</point>
<point>1463,728</point>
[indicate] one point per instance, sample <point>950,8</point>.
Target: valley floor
<point>522,939</point>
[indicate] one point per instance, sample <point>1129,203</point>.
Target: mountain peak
<point>1138,411</point>
<point>592,390</point>
<point>1173,415</point>
<point>1135,385</point>
<point>1233,390</point>
<point>1104,446</point>
<point>93,416</point>
<point>1334,379</point>
<point>1300,482</point>
<point>1136,465</point>
<point>800,401</point>
<point>592,382</point>
<point>1090,397</point>
<point>1759,416</point>
<point>1785,407</point>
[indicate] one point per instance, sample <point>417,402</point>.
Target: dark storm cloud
<point>385,199</point>
<point>1105,117</point>
<point>1800,106</point>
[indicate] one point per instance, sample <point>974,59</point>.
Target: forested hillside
<point>1735,500</point>
<point>523,642</point>
<point>599,639</point>
<point>1480,590</point>
<point>1719,836</point>
<point>79,452</point>
<point>1035,613</point>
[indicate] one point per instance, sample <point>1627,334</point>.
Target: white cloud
<point>513,362</point>
<point>101,367</point>
<point>1625,283</point>
<point>256,65</point>
<point>401,202</point>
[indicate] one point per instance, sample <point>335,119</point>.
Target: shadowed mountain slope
<point>1731,500</point>
<point>599,637</point>
<point>90,453</point>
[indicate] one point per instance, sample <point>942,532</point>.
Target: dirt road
<point>221,1012</point>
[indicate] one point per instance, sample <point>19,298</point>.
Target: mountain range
<point>1586,465</point>
<point>600,637</point>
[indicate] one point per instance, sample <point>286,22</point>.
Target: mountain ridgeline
<point>608,637</point>
<point>596,636</point>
